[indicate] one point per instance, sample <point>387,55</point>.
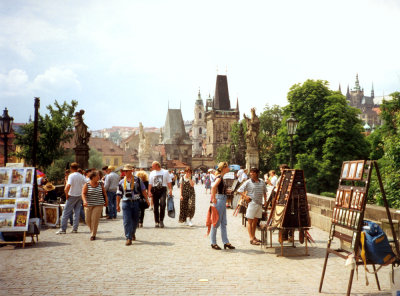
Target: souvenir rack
<point>348,213</point>
<point>289,209</point>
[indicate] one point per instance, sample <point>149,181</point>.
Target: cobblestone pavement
<point>176,260</point>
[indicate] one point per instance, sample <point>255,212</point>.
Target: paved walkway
<point>176,260</point>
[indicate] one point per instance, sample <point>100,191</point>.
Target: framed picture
<point>354,199</point>
<point>357,220</point>
<point>359,170</point>
<point>349,218</point>
<point>346,198</point>
<point>352,171</point>
<point>345,170</point>
<point>360,201</point>
<point>337,197</point>
<point>334,215</point>
<point>50,215</point>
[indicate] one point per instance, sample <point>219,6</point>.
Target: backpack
<point>376,244</point>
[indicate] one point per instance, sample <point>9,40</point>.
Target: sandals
<point>255,242</point>
<point>215,247</point>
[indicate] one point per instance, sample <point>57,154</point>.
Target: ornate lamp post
<point>291,124</point>
<point>5,129</point>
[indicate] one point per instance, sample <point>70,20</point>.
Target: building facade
<point>219,117</point>
<point>175,140</point>
<point>366,104</point>
<point>198,128</point>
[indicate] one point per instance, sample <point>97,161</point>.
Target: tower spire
<point>340,89</point>
<point>372,91</point>
<point>357,83</point>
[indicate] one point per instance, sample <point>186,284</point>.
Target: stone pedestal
<point>82,156</point>
<point>252,158</point>
<point>143,162</point>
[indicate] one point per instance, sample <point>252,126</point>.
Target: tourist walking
<point>111,186</point>
<point>73,196</point>
<point>143,201</point>
<point>94,197</point>
<point>255,193</point>
<point>207,181</point>
<point>129,190</point>
<point>188,198</point>
<point>159,180</point>
<point>218,198</point>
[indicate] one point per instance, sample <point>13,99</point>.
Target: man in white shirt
<point>159,180</point>
<point>243,176</point>
<point>73,195</point>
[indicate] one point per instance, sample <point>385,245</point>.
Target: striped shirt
<point>255,190</point>
<point>94,195</point>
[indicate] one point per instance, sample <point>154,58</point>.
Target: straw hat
<point>111,168</point>
<point>49,186</point>
<point>127,167</point>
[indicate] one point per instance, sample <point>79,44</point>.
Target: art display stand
<point>289,212</point>
<point>16,190</point>
<point>348,214</point>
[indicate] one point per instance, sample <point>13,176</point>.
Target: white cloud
<point>56,79</point>
<point>14,83</point>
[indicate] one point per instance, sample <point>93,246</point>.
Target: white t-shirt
<point>274,180</point>
<point>161,176</point>
<point>243,177</point>
<point>76,180</point>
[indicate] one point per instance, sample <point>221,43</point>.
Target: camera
<point>128,194</point>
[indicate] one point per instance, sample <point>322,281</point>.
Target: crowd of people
<point>88,192</point>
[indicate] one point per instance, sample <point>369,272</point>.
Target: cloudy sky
<point>124,61</point>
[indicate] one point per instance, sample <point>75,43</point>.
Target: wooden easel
<point>23,241</point>
<point>289,211</point>
<point>349,212</point>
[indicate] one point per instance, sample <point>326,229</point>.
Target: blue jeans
<point>130,216</point>
<point>73,204</point>
<point>112,204</point>
<point>221,208</point>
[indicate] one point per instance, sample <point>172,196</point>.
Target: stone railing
<point>321,208</point>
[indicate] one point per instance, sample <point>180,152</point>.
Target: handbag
<point>170,206</point>
<point>143,203</point>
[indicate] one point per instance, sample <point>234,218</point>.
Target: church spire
<point>372,91</point>
<point>340,89</point>
<point>357,83</point>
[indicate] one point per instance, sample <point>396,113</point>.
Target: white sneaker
<point>61,232</point>
<point>189,223</point>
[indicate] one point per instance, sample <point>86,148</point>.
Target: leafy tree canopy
<point>223,154</point>
<point>389,164</point>
<point>270,123</point>
<point>328,133</point>
<point>54,129</point>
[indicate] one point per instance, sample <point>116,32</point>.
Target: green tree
<point>389,164</point>
<point>95,159</point>
<point>270,123</point>
<point>56,171</point>
<point>328,133</point>
<point>223,153</point>
<point>54,129</point>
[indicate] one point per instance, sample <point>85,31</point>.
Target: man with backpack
<point>159,180</point>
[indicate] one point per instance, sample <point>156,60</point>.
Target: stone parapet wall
<point>321,208</point>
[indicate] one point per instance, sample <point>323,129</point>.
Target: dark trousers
<point>159,201</point>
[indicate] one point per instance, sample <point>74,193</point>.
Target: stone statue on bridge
<point>81,130</point>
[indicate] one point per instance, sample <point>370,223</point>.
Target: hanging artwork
<point>16,186</point>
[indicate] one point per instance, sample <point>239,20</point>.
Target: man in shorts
<point>253,191</point>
